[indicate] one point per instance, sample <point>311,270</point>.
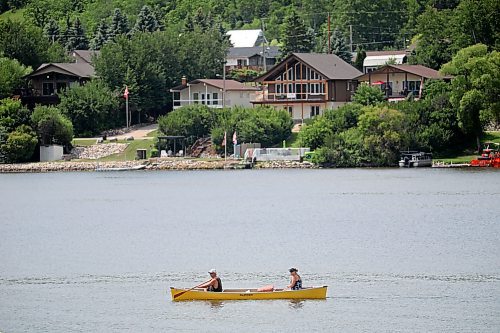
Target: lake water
<point>401,250</point>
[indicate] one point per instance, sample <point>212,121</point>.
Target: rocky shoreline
<point>151,164</point>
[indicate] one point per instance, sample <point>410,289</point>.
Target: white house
<point>376,59</point>
<point>246,38</point>
<point>210,92</point>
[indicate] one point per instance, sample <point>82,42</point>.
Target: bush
<point>92,108</point>
<point>11,76</point>
<point>51,126</point>
<point>20,145</point>
<point>13,114</point>
<point>189,121</point>
<point>155,152</point>
<point>368,95</point>
<point>267,126</point>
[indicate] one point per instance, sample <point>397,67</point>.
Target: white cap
<point>212,271</point>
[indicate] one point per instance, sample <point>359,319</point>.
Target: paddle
<point>185,291</point>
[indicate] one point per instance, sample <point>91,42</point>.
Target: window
<point>314,110</point>
<point>289,109</point>
<point>61,86</point>
<point>196,98</point>
<point>414,86</point>
<point>203,99</point>
<point>215,97</point>
<point>48,88</point>
<point>208,99</point>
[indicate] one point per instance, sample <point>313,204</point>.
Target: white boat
<point>412,159</point>
<point>132,168</point>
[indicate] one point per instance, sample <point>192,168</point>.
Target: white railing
<point>275,154</point>
<point>211,103</point>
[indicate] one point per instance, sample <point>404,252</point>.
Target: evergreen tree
<point>295,35</point>
<point>339,46</point>
<point>101,36</point>
<point>52,30</point>
<point>146,21</point>
<point>360,58</point>
<point>76,39</point>
<point>119,25</point>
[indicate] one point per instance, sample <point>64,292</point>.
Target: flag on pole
<point>224,140</point>
<point>125,94</point>
<point>235,139</point>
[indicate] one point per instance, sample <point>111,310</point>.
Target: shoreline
<point>152,164</point>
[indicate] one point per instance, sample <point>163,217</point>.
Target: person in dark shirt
<point>295,280</point>
<point>215,283</point>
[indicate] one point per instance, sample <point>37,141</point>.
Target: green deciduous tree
<point>11,76</point>
<point>23,42</point>
<point>51,126</point>
<point>92,108</point>
<point>475,89</point>
<point>13,114</point>
<point>368,95</point>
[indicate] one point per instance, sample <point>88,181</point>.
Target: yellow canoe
<point>245,294</point>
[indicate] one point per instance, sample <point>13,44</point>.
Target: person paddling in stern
<point>215,284</point>
<point>295,280</point>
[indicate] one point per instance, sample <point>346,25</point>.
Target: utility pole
<point>329,32</point>
<point>263,45</point>
<point>350,36</point>
<point>224,83</point>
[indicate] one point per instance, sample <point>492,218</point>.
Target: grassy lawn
<point>16,15</point>
<point>491,137</point>
<point>83,142</point>
<point>467,157</point>
<point>153,134</point>
<point>130,152</point>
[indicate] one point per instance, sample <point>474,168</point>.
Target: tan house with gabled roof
<point>210,92</point>
<point>398,81</point>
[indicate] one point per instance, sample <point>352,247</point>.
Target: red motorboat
<point>490,156</point>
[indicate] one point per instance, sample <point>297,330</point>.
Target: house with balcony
<point>50,79</point>
<point>398,81</point>
<point>210,92</point>
<point>306,84</point>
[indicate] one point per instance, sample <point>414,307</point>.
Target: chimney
<point>184,80</point>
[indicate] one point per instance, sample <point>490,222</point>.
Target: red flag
<point>235,139</point>
<point>125,94</point>
<point>224,140</point>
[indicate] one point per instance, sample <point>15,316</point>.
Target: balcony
<point>212,103</point>
<point>267,97</point>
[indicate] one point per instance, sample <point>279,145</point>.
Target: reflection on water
<point>215,304</point>
<point>296,304</point>
<point>400,249</point>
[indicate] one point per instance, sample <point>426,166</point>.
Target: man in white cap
<point>215,284</point>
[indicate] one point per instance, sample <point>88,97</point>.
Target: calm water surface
<point>401,250</point>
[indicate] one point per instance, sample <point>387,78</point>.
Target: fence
<point>275,154</point>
